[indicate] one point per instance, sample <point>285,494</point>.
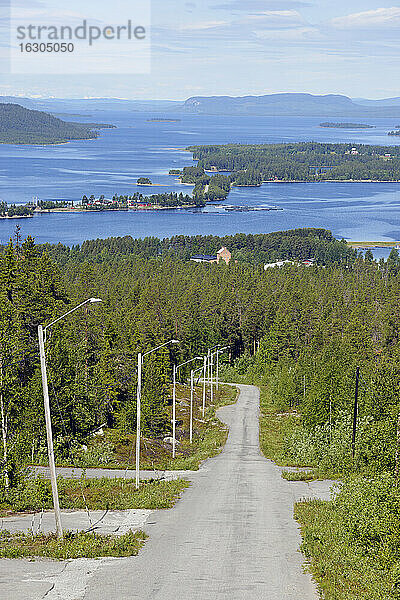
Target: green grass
<point>96,494</point>
<point>74,545</point>
<point>116,449</point>
<point>274,427</point>
<point>211,437</point>
<point>352,543</point>
<point>340,572</point>
<point>299,475</point>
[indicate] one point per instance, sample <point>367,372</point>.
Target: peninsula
<point>254,164</point>
<point>19,125</point>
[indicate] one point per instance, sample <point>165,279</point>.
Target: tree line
<point>256,249</point>
<point>252,164</point>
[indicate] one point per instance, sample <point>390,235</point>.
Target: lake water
<point>112,164</point>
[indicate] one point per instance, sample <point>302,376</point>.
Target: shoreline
<point>17,217</point>
<point>372,245</point>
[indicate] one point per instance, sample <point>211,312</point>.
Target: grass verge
<point>74,545</point>
<point>96,494</point>
<point>352,542</point>
<point>116,449</point>
<point>299,475</point>
<point>275,426</point>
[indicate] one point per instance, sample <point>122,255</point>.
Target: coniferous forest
<point>305,321</point>
<point>299,332</point>
<point>252,164</point>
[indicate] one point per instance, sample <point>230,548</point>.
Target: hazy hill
<point>288,105</point>
<point>75,105</point>
<point>19,125</point>
<point>331,106</point>
<point>384,102</point>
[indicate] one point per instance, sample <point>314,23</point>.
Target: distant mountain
<point>331,106</point>
<point>20,125</point>
<point>74,105</point>
<point>383,102</point>
<point>287,105</point>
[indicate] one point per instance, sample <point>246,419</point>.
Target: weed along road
<point>231,536</point>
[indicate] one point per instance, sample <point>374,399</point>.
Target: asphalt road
<point>232,535</point>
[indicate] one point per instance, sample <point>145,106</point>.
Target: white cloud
<point>275,18</point>
<point>199,26</point>
<point>259,6</point>
<point>295,34</point>
<point>381,17</point>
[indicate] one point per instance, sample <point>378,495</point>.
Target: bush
<point>353,541</point>
<point>328,448</point>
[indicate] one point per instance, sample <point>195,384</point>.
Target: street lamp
<point>138,404</point>
<point>210,356</point>
<point>219,351</point>
<point>175,370</point>
<point>204,385</point>
<point>42,338</point>
<point>193,371</point>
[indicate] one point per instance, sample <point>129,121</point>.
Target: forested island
<point>346,125</point>
<point>396,132</point>
<point>19,125</point>
<point>13,211</point>
<point>254,164</point>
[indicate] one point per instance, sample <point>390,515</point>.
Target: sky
<point>239,47</point>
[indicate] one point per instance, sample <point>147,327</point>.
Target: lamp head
<point>175,341</point>
<point>93,300</point>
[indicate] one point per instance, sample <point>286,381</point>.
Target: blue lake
<point>112,164</point>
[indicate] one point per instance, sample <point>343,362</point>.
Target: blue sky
<point>240,47</point>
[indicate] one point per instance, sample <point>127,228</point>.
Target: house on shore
<point>223,255</point>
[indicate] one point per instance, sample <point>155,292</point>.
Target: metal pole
<point>204,385</point>
<point>49,433</point>
<point>211,377</point>
<point>174,412</point>
<point>138,411</point>
<point>353,443</point>
<point>208,367</point>
<point>4,430</point>
<point>191,406</point>
<point>217,368</point>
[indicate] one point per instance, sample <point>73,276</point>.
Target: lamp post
<point>191,408</point>
<point>176,367</point>
<point>209,368</point>
<point>219,351</point>
<point>204,385</point>
<point>50,448</point>
<point>192,372</point>
<point>138,404</point>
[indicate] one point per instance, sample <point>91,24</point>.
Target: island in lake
<point>347,125</point>
<point>255,164</point>
<point>15,212</point>
<point>163,120</point>
<point>19,125</point>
